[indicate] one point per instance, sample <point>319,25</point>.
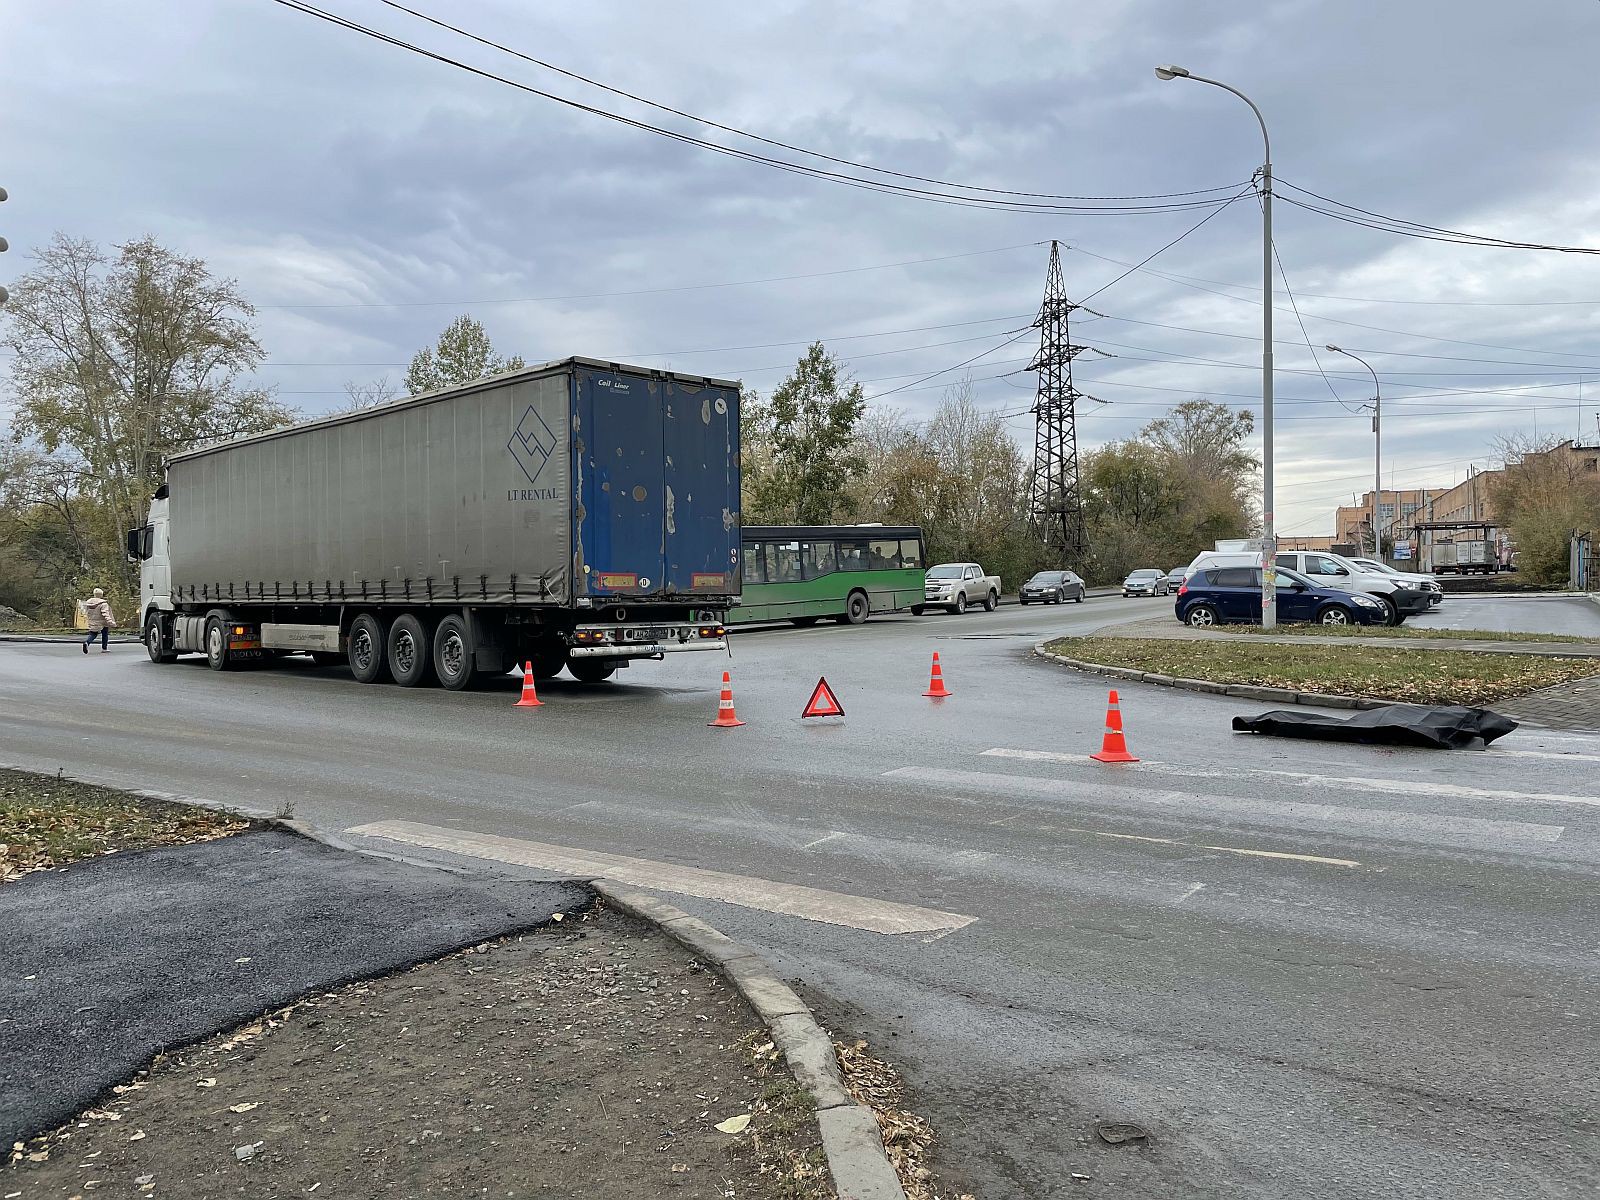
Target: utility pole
<point>1057,504</point>
<point>1377,451</point>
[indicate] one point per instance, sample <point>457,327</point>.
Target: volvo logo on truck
<point>532,444</point>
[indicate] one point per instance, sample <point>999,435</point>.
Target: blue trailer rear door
<point>701,436</point>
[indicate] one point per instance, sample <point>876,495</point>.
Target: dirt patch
<point>595,1061</point>
<point>47,821</point>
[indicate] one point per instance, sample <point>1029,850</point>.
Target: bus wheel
<point>804,622</point>
<point>916,610</point>
<point>856,609</point>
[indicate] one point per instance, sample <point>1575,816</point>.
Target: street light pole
<point>1377,449</point>
<point>1269,540</point>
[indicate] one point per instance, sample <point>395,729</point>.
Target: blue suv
<point>1231,594</point>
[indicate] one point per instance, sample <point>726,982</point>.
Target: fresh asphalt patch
<point>108,962</point>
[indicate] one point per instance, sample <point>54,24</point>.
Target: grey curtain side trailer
<point>578,514</point>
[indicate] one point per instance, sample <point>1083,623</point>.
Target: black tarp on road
<point>1447,728</point>
<point>106,962</point>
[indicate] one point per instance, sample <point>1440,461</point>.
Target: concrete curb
<point>1242,691</point>
<point>850,1135</point>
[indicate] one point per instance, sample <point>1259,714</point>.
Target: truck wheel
<point>216,644</point>
<point>592,670</point>
<point>368,661</point>
<point>991,602</point>
<point>856,608</point>
<point>155,640</point>
<point>960,606</point>
<point>548,659</point>
<point>409,659</point>
<point>453,659</point>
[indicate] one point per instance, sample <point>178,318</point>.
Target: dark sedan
<point>1233,594</point>
<point>1053,587</point>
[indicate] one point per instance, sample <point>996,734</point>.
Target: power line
<point>957,199</point>
<point>687,287</point>
<point>1416,229</point>
<point>1426,337</point>
<point>1299,320</point>
<point>781,145</point>
<point>1136,266</point>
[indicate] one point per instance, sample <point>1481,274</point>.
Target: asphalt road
<point>1307,970</point>
<point>1514,613</point>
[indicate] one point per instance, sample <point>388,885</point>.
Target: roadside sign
<point>1402,550</point>
<point>823,702</point>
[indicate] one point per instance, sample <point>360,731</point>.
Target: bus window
<point>885,556</point>
<point>911,554</point>
<point>783,562</point>
<point>853,556</point>
<point>752,563</point>
<point>819,559</point>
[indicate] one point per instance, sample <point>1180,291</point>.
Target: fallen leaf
<point>677,1169</point>
<point>558,916</point>
<point>137,1135</point>
<point>734,1124</point>
<point>205,1083</point>
<point>241,960</point>
<point>242,1108</point>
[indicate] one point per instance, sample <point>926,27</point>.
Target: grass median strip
<point>47,821</point>
<point>1400,633</point>
<point>1417,677</point>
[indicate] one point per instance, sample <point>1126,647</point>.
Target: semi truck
<point>578,515</point>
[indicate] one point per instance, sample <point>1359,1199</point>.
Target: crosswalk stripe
<point>1303,815</point>
<point>1360,783</point>
<point>794,900</point>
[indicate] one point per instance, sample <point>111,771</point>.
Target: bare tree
<point>122,360</point>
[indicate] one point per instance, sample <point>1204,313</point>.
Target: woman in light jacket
<point>100,621</point>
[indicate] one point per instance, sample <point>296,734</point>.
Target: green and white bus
<point>802,573</point>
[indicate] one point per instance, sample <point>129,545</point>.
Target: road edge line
<point>851,1138</point>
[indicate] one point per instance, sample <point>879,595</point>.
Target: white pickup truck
<point>955,586</point>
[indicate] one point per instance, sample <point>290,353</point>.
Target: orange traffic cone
<point>1113,749</point>
<point>936,687</point>
<point>726,717</point>
<point>530,697</point>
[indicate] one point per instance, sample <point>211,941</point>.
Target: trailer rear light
<point>238,630</point>
<point>712,631</point>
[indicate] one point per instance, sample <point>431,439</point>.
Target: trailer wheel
<point>453,660</point>
<point>547,659</point>
<point>410,651</point>
<point>368,662</point>
<point>592,670</point>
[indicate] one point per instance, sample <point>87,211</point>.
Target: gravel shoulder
<point>595,1059</point>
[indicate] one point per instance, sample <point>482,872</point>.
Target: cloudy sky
<point>363,196</point>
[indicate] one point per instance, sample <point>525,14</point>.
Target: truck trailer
<point>576,515</point>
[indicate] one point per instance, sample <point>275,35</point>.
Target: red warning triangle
<point>823,702</point>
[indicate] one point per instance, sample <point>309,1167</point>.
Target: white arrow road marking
<point>793,900</point>
<point>1360,783</point>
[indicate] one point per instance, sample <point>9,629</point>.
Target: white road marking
<point>1189,891</point>
<point>811,904</point>
<point>1558,755</point>
<point>1360,783</point>
<point>1161,841</point>
<point>821,840</point>
<point>1315,816</point>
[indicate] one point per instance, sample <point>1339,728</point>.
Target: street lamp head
<point>1332,347</point>
<point>1171,72</point>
